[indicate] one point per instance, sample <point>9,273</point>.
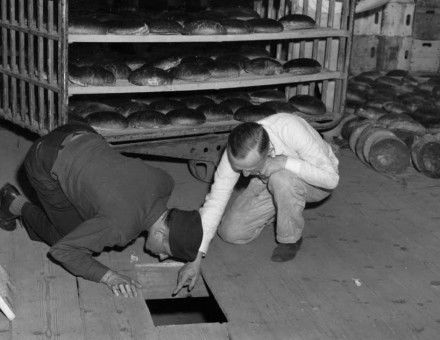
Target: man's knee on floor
<point>233,233</point>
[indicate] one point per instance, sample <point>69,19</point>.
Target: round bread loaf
<point>234,26</point>
<point>370,113</point>
<point>234,58</point>
<point>216,112</point>
<point>425,154</point>
<point>302,66</point>
<point>127,27</point>
<point>264,67</point>
<point>254,53</point>
<point>354,85</point>
<point>349,126</point>
<point>86,26</point>
<point>376,104</point>
<point>150,76</point>
<point>390,81</point>
<point>167,63</point>
<point>388,118</point>
<point>427,116</point>
<point>265,25</point>
<point>239,13</point>
<point>293,22</point>
<point>436,92</point>
<point>261,96</point>
<point>211,15</point>
<point>219,97</point>
<point>252,113</point>
<point>406,125</point>
<point>191,72</point>
<point>166,105</point>
<point>413,103</point>
<point>147,119</point>
<point>384,90</point>
<point>395,107</point>
<point>406,89</point>
<point>371,75</point>
<point>91,75</point>
<point>165,27</point>
<point>107,120</point>
<point>201,61</point>
<point>186,117</point>
<point>134,62</point>
<point>235,103</point>
<point>365,80</point>
<point>178,16</point>
<point>127,107</point>
<point>356,96</point>
<point>84,108</point>
<point>194,102</point>
<point>387,153</point>
<point>308,104</point>
<point>397,73</point>
<point>204,27</point>
<point>119,69</point>
<point>75,119</point>
<point>225,70</point>
<point>280,106</point>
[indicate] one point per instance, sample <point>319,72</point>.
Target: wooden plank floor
<point>368,269</point>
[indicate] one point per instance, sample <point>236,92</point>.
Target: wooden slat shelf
<point>131,134</point>
<point>321,32</point>
<point>246,80</point>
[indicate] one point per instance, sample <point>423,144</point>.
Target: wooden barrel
<point>356,132</point>
<point>385,152</point>
<point>425,154</point>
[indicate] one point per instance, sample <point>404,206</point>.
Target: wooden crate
<point>364,53</point>
<point>368,23</point>
<point>428,3</point>
<point>397,19</point>
<point>425,55</point>
<point>427,23</point>
<point>394,53</point>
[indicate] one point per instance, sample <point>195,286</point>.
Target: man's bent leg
<point>247,212</point>
<point>290,196</point>
<point>59,216</point>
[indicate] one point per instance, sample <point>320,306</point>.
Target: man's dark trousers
<point>59,216</point>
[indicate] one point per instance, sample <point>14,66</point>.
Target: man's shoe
<point>8,193</point>
<point>286,251</point>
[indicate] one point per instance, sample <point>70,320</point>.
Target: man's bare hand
<point>121,284</point>
<point>188,275</point>
<point>272,165</point>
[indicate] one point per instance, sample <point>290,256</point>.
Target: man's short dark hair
<point>246,137</point>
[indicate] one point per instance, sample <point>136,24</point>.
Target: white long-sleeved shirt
<point>308,156</point>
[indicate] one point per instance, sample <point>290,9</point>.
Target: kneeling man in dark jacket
<point>94,197</point>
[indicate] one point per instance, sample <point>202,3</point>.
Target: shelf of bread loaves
<point>148,116</point>
<point>244,80</point>
<point>216,25</point>
<point>319,32</point>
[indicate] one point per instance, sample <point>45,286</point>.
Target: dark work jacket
<point>117,197</point>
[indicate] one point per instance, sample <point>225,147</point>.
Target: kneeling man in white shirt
<point>290,165</point>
